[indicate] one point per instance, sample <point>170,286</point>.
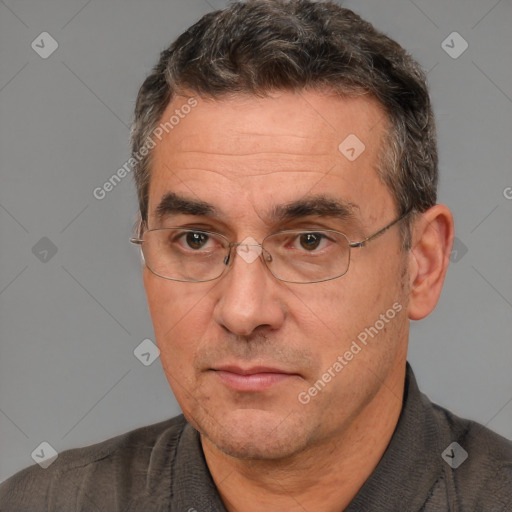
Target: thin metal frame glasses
<point>294,256</point>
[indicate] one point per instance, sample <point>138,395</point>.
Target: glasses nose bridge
<point>253,250</point>
<point>238,244</point>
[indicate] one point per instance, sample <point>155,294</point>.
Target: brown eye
<point>196,239</point>
<point>310,241</point>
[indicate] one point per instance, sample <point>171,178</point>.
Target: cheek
<point>160,296</point>
<point>172,304</point>
<point>334,313</point>
<point>180,317</point>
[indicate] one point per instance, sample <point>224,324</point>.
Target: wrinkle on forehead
<point>286,120</point>
<point>249,155</point>
<point>238,143</point>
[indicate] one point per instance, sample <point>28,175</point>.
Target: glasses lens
<point>185,254</point>
<point>307,256</point>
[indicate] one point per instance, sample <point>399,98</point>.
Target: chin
<point>256,434</point>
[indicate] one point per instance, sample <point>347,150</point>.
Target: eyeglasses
<point>293,256</point>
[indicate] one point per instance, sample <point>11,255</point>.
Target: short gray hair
<point>260,46</point>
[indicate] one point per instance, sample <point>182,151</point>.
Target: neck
<point>325,477</point>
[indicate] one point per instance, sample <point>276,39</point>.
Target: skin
<point>245,155</point>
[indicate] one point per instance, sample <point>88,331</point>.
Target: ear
<point>432,240</point>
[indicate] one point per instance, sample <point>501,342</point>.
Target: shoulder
<point>478,462</point>
<point>124,459</point>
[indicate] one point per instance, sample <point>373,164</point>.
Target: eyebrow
<point>320,206</point>
<point>172,203</point>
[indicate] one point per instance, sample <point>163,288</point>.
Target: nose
<point>248,294</point>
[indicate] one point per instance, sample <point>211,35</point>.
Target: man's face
<point>248,158</point>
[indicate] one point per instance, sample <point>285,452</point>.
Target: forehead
<point>269,150</point>
<point>302,120</point>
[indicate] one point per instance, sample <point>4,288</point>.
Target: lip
<point>253,379</point>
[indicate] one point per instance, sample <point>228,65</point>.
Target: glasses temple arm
<point>362,243</point>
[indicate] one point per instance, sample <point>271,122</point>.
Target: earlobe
<point>429,259</point>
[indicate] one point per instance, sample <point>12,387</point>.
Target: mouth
<point>253,379</point>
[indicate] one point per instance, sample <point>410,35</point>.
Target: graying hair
<point>260,46</point>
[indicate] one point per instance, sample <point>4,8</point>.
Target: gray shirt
<point>162,468</point>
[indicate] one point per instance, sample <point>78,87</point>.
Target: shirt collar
<point>412,462</point>
<point>192,487</point>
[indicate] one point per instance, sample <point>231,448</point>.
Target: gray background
<point>69,325</point>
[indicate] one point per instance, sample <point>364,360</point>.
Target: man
<point>286,170</point>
